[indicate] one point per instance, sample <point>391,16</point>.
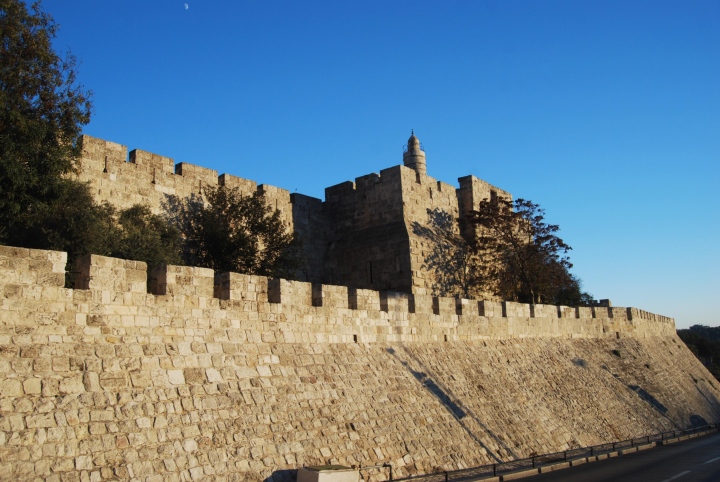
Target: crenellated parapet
<point>287,310</point>
<point>257,376</point>
<point>142,177</point>
<point>364,235</point>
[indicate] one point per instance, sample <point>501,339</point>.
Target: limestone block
<point>10,388</point>
<point>111,381</point>
<point>152,161</point>
<point>44,420</point>
<point>73,384</point>
<point>194,376</point>
<point>32,386</point>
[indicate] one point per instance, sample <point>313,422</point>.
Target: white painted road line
<point>677,476</point>
<point>711,460</point>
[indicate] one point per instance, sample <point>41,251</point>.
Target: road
<point>694,460</point>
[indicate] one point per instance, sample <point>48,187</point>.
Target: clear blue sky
<point>607,113</point>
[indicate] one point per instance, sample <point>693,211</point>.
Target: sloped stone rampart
<point>235,377</point>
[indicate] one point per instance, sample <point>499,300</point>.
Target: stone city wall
<point>144,178</point>
<point>234,377</point>
<point>365,234</point>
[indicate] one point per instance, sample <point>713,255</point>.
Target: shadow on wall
<point>433,388</point>
<point>644,396</point>
<point>642,393</point>
<point>711,400</point>
<point>697,421</point>
<point>448,256</point>
<point>444,395</point>
<point>283,476</point>
<point>579,362</point>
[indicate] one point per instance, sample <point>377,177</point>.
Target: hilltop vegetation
<point>704,342</point>
<point>503,250</point>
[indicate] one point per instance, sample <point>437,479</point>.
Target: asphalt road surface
<point>694,460</point>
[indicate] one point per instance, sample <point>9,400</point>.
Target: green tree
<point>42,111</point>
<point>71,222</point>
<point>526,259</point>
<point>147,237</point>
<point>704,342</point>
<point>227,231</point>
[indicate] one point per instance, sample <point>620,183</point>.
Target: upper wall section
<point>364,235</point>
<point>290,311</point>
<point>145,178</point>
<point>473,190</point>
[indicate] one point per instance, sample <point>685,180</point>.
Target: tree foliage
<point>704,342</point>
<point>147,237</point>
<point>523,257</point>
<point>227,231</point>
<point>458,269</point>
<point>42,111</point>
<point>71,222</point>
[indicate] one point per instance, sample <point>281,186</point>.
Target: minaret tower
<point>414,156</point>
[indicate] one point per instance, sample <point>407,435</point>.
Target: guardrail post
<point>533,462</point>
<point>591,451</point>
<point>494,470</point>
<point>565,456</point>
<point>446,476</point>
<point>389,465</point>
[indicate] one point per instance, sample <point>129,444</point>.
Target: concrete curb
<point>550,468</point>
<point>579,461</point>
<point>520,475</point>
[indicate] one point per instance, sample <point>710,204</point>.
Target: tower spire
<point>414,156</point>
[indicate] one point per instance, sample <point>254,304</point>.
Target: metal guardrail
<point>503,468</point>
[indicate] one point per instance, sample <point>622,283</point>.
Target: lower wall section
<point>109,382</point>
<point>252,411</point>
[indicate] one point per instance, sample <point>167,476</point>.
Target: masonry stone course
<point>363,235</point>
<point>233,377</point>
<point>185,374</point>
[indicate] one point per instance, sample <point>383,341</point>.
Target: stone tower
<point>414,156</point>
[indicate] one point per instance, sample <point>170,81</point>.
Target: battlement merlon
<point>120,281</point>
<point>98,154</point>
<point>473,190</point>
<point>152,161</point>
<point>108,157</point>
